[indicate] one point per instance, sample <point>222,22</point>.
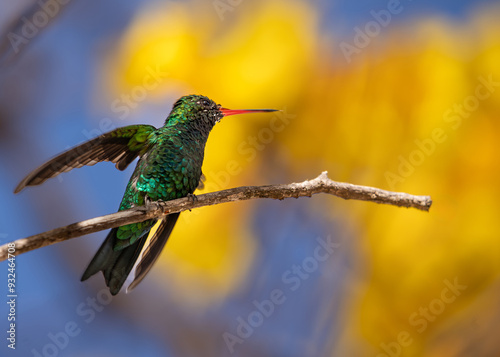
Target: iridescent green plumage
<point>169,167</point>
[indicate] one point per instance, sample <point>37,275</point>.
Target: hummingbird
<point>169,167</point>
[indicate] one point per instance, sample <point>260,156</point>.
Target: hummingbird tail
<point>114,264</point>
<point>152,249</point>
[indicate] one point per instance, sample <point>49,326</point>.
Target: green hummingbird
<point>169,167</point>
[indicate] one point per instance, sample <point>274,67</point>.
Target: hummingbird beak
<point>227,112</point>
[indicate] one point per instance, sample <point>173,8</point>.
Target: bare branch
<point>321,184</point>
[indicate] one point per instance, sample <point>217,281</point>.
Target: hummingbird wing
<point>120,146</point>
<point>152,249</point>
<point>201,183</point>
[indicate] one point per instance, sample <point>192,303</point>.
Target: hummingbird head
<point>202,113</point>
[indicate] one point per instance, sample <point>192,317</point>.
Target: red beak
<point>227,112</point>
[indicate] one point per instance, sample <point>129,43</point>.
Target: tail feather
<point>153,249</point>
<point>115,264</point>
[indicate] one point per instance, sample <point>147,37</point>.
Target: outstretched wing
<point>152,249</point>
<point>120,146</point>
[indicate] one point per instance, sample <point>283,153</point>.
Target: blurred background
<point>401,95</point>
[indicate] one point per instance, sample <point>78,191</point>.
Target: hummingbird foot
<point>150,204</point>
<point>192,197</point>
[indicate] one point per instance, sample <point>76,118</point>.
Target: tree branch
<point>321,184</point>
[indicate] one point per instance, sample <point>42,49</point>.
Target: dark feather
<point>112,146</point>
<point>153,249</point>
<point>114,264</point>
<point>201,183</point>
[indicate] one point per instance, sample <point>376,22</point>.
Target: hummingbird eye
<point>205,103</point>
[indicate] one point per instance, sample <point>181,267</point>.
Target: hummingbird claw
<point>192,197</point>
<point>149,203</point>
